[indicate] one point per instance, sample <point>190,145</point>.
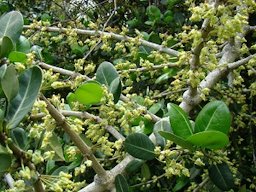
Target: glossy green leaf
<point>121,184</point>
<point>214,116</point>
<point>20,138</point>
<point>49,166</point>
<point>2,70</point>
<point>88,93</point>
<point>221,176</point>
<point>167,75</point>
<point>6,46</point>
<point>115,88</point>
<point>56,146</point>
<point>154,13</point>
<point>29,84</point>
<point>180,123</point>
<point>38,51</point>
<point>134,165</point>
<point>10,83</point>
<point>180,183</point>
<point>155,108</point>
<point>11,25</point>
<point>60,169</point>
<point>106,73</point>
<point>23,45</point>
<point>16,56</point>
<point>162,125</point>
<point>176,139</point>
<point>5,159</point>
<point>209,139</point>
<point>140,146</point>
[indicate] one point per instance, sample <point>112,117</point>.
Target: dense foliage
<point>127,95</point>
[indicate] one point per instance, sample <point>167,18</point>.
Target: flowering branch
<point>154,46</point>
<point>86,151</point>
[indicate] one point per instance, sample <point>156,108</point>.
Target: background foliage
<point>170,82</point>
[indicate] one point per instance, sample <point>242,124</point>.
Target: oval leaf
<point>116,88</point>
<point>209,139</point>
<point>214,116</point>
<point>2,70</point>
<point>6,46</point>
<point>221,176</point>
<point>176,139</point>
<point>23,45</point>
<point>56,146</point>
<point>19,137</point>
<point>134,165</point>
<point>16,56</point>
<point>10,83</point>
<point>11,25</point>
<point>140,146</point>
<point>180,123</point>
<point>89,93</point>
<point>29,85</point>
<point>121,184</point>
<point>106,73</point>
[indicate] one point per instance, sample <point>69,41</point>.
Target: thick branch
<point>154,46</point>
<point>86,151</point>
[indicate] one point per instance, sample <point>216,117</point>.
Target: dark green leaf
<point>214,116</point>
<point>162,125</point>
<point>23,45</point>
<point>134,165</point>
<point>180,183</point>
<point>154,13</point>
<point>140,146</point>
<point>176,139</point>
<point>5,159</point>
<point>221,176</point>
<point>11,25</point>
<point>106,73</point>
<point>89,93</point>
<point>116,88</point>
<point>10,83</point>
<point>121,184</point>
<point>16,56</point>
<point>164,77</point>
<point>6,46</point>
<point>180,123</point>
<point>29,85</point>
<point>209,139</point>
<point>49,166</point>
<point>19,136</point>
<point>56,146</point>
<point>59,169</point>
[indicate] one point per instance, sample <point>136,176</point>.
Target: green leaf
<point>11,25</point>
<point>5,159</point>
<point>121,184</point>
<point>155,108</point>
<point>16,56</point>
<point>88,93</point>
<point>214,116</point>
<point>59,169</point>
<point>38,51</point>
<point>145,171</point>
<point>176,139</point>
<point>180,183</point>
<point>56,146</point>
<point>10,83</point>
<point>23,45</point>
<point>19,136</point>
<point>29,85</point>
<point>134,165</point>
<point>162,125</point>
<point>180,123</point>
<point>154,13</point>
<point>116,88</point>
<point>209,139</point>
<point>2,70</point>
<point>106,73</point>
<point>167,75</point>
<point>140,146</point>
<point>221,176</point>
<point>49,166</point>
<point>6,46</point>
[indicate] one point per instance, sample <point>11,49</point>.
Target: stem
<point>86,151</point>
<point>155,46</point>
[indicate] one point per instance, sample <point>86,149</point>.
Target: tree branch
<point>86,151</point>
<point>154,46</point>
